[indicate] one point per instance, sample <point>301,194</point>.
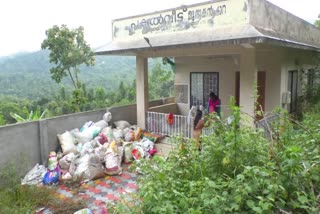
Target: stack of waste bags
<point>95,150</point>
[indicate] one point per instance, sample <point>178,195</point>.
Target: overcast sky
<point>24,22</point>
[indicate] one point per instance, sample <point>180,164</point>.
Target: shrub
<point>238,171</point>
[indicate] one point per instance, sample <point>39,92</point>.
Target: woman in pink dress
<point>214,104</point>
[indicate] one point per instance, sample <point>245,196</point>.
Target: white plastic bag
<point>66,160</point>
<point>127,150</point>
<point>35,175</point>
<point>113,159</point>
<point>67,143</point>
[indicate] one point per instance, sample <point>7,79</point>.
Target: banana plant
<point>30,116</point>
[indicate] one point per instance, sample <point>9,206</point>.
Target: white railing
<point>181,126</point>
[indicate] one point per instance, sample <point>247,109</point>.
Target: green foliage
<point>237,171</point>
<point>26,75</point>
<point>11,104</point>
<point>29,116</point>
<point>68,50</point>
<point>100,89</point>
<point>161,82</point>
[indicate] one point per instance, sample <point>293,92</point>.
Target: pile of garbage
<point>95,150</point>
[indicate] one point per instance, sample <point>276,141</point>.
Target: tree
<point>161,82</point>
<point>68,50</point>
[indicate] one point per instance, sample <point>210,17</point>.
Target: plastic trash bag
<point>117,134</point>
<point>108,132</point>
<point>95,168</point>
<point>67,143</point>
<point>107,117</point>
<point>51,177</point>
<point>89,167</point>
<point>86,134</point>
<point>35,175</point>
<point>138,152</point>
<point>65,161</point>
<point>147,144</point>
<point>127,150</point>
<point>113,159</point>
<point>129,134</point>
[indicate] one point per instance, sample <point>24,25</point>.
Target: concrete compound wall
<point>26,144</point>
<point>20,144</point>
<point>166,108</point>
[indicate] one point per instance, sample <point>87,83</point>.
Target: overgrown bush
<point>237,171</point>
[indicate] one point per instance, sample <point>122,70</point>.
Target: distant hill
<point>27,75</point>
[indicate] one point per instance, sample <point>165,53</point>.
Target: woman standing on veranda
<point>214,104</point>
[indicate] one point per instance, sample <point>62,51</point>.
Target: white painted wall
<point>275,61</point>
<point>269,60</point>
<point>225,65</point>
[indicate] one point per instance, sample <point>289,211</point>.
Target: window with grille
<point>202,83</point>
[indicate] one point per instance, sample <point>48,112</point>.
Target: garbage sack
<point>67,143</point>
<point>138,152</point>
<point>73,166</point>
<point>87,134</point>
<point>108,132</point>
<point>101,124</point>
<point>95,169</point>
<point>107,117</point>
<point>89,167</point>
<point>127,150</point>
<point>87,148</point>
<point>51,177</point>
<point>102,138</point>
<point>81,164</point>
<point>101,152</point>
<point>147,144</point>
<point>118,134</point>
<point>128,134</point>
<point>86,125</point>
<point>66,160</point>
<point>121,124</point>
<point>35,175</point>
<point>113,159</point>
<point>138,133</point>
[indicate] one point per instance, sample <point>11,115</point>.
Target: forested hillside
<point>27,75</point>
<point>28,90</point>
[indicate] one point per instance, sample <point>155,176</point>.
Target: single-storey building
<point>224,46</point>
